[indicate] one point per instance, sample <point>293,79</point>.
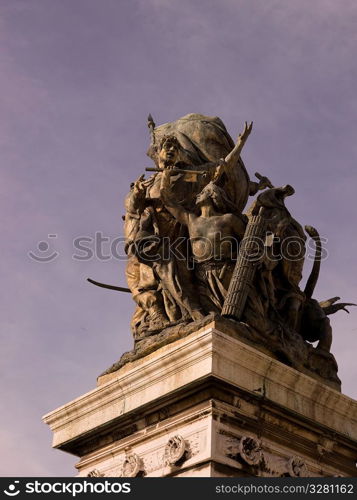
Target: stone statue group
<point>195,250</point>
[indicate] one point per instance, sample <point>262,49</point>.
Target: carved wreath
<point>174,450</point>
<point>250,450</point>
<point>132,465</point>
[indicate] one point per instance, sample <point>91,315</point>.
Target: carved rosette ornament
<point>250,450</point>
<point>297,467</point>
<point>132,465</point>
<point>174,450</point>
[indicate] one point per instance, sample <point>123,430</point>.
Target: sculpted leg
<point>326,335</point>
<point>293,311</point>
<point>150,313</point>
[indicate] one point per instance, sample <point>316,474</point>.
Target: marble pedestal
<point>209,405</point>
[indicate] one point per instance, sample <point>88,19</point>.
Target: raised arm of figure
<point>232,158</point>
<point>167,198</point>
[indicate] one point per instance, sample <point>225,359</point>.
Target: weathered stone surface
<point>288,347</point>
<point>237,410</point>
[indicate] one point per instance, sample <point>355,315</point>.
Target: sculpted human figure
<point>288,246</point>
<point>171,155</point>
<point>163,289</point>
<point>204,142</point>
<point>140,277</point>
<point>214,232</point>
<point>160,283</point>
<point>274,296</point>
<point>194,203</point>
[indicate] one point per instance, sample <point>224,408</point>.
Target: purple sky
<point>77,81</point>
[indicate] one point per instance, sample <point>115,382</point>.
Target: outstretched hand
<point>246,132</point>
<point>232,158</point>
